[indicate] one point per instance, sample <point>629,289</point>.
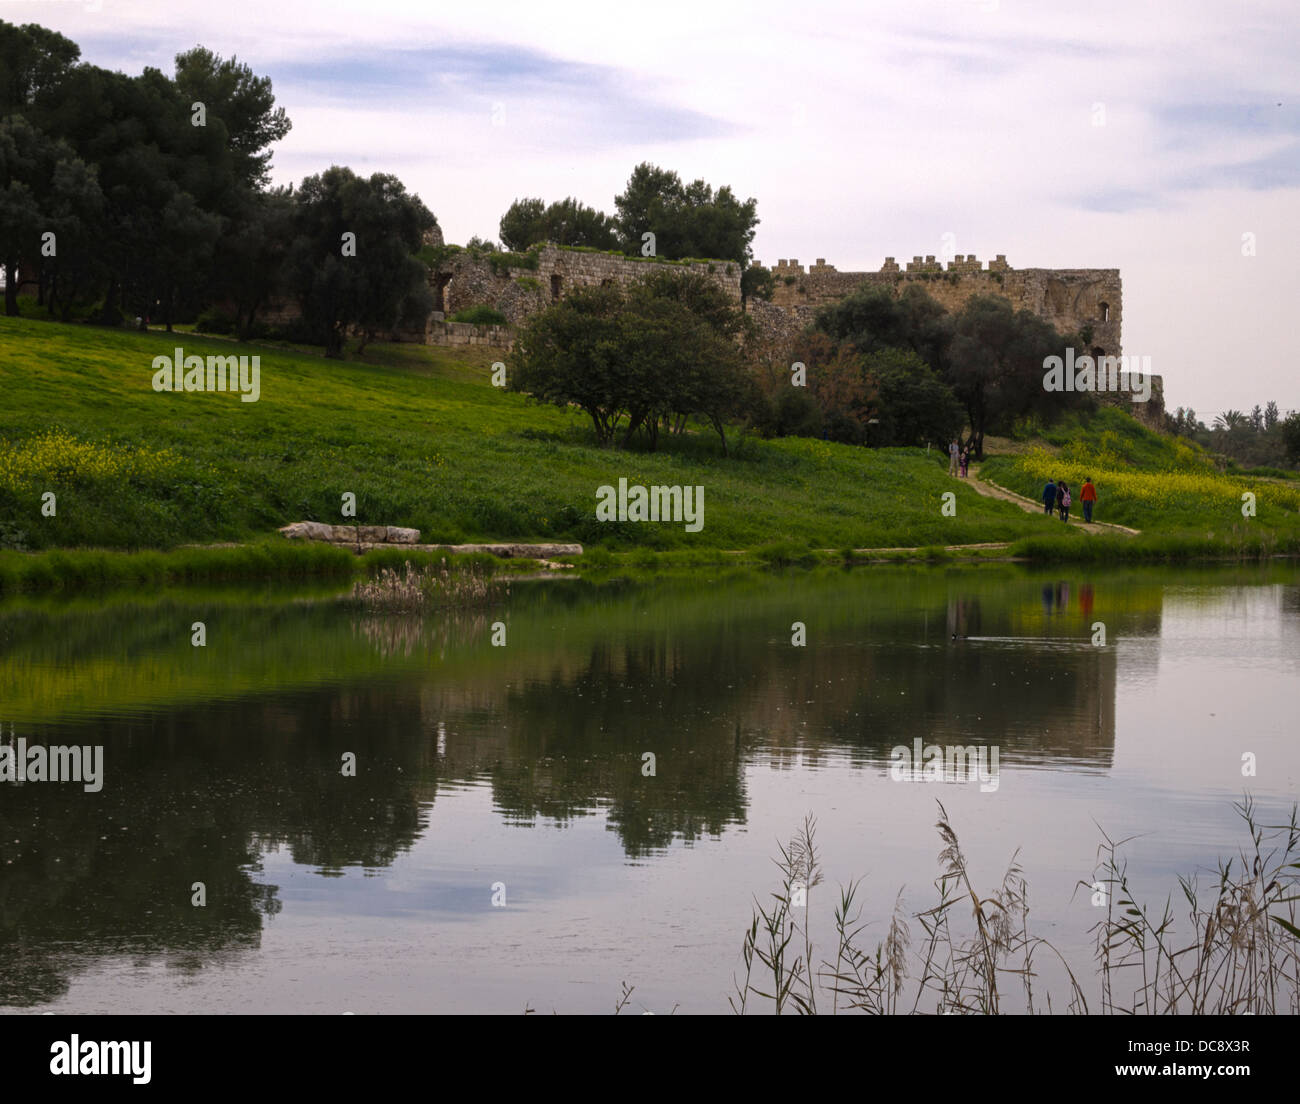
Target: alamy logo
<point>950,763</point>
<point>1103,373</point>
<point>37,763</point>
<point>92,1057</point>
<point>192,373</point>
<point>637,503</point>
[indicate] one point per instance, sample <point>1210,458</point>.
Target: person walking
<point>1088,496</point>
<point>952,457</point>
<point>965,460</point>
<point>1065,501</point>
<point>1049,496</point>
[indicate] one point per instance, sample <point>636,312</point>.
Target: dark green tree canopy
<point>530,222</point>
<point>352,260</point>
<point>238,101</point>
<point>633,357</point>
<point>32,60</point>
<point>689,220</point>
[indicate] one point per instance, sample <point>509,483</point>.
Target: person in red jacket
<point>1088,496</point>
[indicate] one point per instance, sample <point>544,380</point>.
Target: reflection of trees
<point>577,742</point>
<point>558,721</point>
<point>197,797</point>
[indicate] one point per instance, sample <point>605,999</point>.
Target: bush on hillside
<point>480,315</point>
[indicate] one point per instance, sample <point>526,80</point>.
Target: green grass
<point>71,570</point>
<point>422,439</point>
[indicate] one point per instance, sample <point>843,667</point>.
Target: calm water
<point>523,765</point>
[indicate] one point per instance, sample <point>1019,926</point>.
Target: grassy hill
<point>422,439</point>
<point>1157,484</point>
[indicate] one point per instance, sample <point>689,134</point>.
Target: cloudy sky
<point>1146,137</point>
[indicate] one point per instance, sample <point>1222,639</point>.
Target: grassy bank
<point>1162,486</point>
<point>74,570</point>
<point>422,439</point>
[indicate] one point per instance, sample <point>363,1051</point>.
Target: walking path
<point>992,490</point>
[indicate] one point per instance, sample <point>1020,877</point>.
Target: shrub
<point>215,321</point>
<point>480,315</point>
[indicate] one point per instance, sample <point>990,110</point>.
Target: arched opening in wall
<point>1098,352</point>
<point>555,289</point>
<point>1105,312</point>
<point>440,284</point>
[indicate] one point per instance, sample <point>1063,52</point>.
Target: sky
<point>1162,139</point>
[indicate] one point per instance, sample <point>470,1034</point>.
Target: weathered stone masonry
<point>464,280</point>
<point>1068,298</point>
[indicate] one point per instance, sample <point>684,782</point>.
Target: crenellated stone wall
<point>1068,298</point>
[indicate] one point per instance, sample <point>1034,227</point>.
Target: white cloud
<point>864,130</point>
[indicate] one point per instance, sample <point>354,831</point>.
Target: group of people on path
<point>1056,496</point>
<point>958,459</point>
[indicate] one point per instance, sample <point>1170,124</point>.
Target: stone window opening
<point>555,289</point>
<point>1105,312</point>
<point>440,285</point>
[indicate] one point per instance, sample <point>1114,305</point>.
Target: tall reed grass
<point>1238,951</point>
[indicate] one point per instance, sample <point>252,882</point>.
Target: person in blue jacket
<point>1049,496</point>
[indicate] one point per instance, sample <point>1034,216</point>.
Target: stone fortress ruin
<point>521,284</point>
<point>1070,299</point>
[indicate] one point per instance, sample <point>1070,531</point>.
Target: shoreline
<point>276,560</point>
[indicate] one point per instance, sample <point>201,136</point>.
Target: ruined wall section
<point>464,281</point>
<point>1068,298</point>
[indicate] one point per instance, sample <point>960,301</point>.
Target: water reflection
<point>216,757</point>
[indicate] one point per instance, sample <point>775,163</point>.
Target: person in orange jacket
<point>1088,496</point>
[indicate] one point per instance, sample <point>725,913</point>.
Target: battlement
<point>1070,299</point>
<point>960,263</point>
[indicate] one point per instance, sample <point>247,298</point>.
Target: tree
<point>757,282</point>
<point>352,259</point>
<point>996,365</point>
<point>523,224</point>
<point>1291,436</point>
<point>1270,415</point>
<point>529,222</point>
<point>239,103</point>
<point>914,405</point>
<point>75,214</point>
<point>33,59</point>
<point>686,220</point>
<point>251,255</point>
<point>1230,420</point>
<point>23,151</point>
<point>1257,419</point>
<point>634,357</point>
<point>873,318</point>
<point>700,364</point>
<point>846,402</point>
<point>569,354</point>
<point>44,189</point>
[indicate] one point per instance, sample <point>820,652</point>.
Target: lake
<point>394,814</point>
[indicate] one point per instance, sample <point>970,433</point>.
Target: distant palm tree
<point>1230,420</point>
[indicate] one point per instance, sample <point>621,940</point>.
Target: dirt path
<point>992,490</point>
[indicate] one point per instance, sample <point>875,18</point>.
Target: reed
<point>416,589</point>
<point>1238,952</point>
